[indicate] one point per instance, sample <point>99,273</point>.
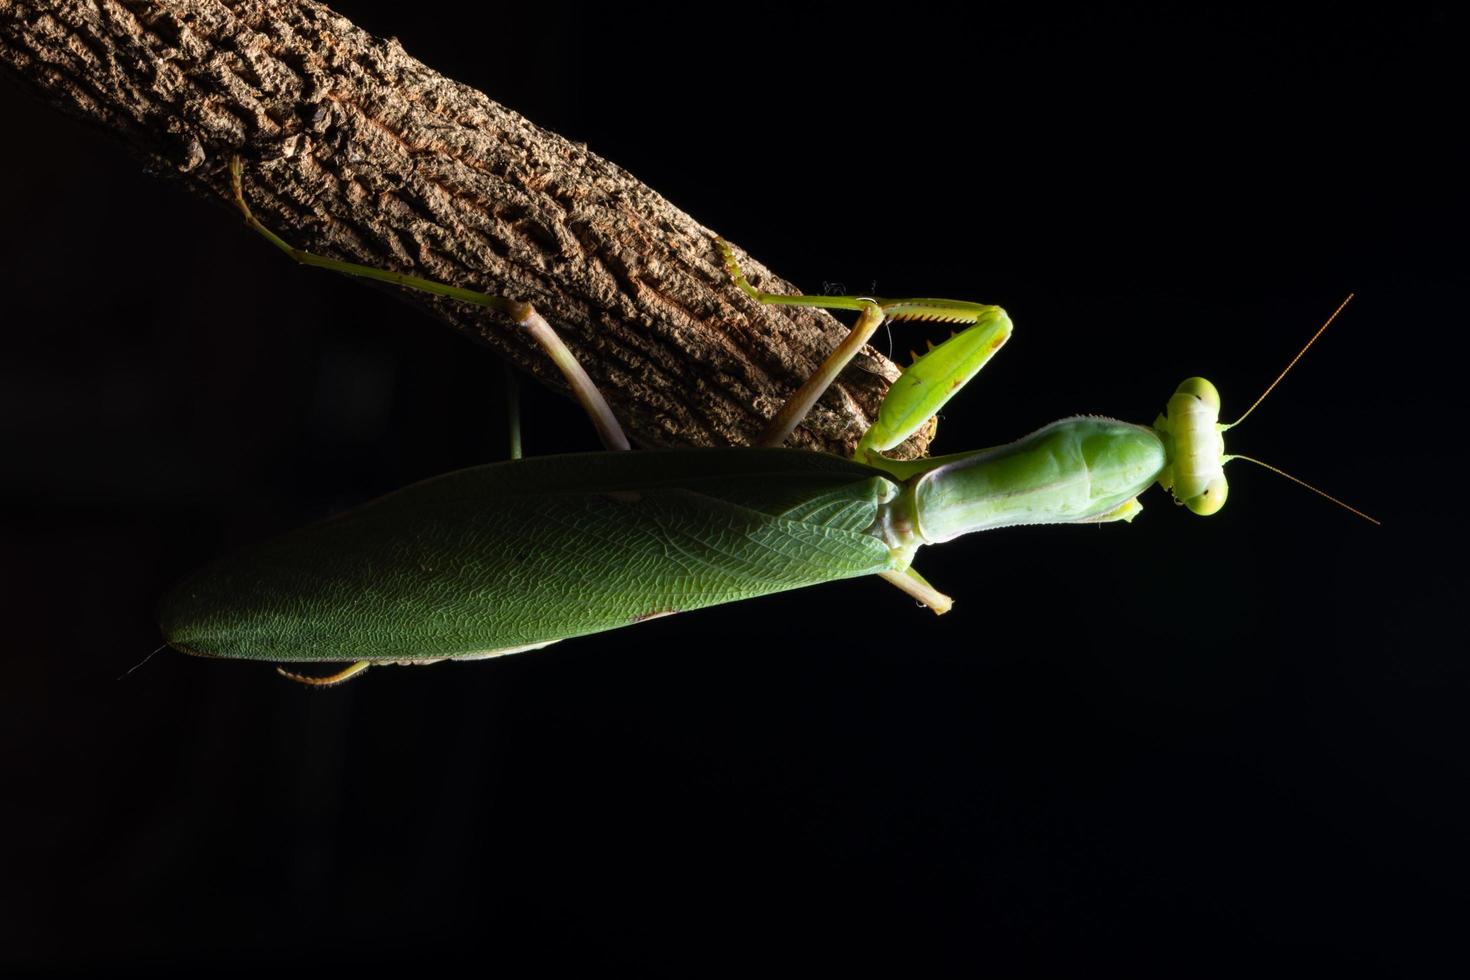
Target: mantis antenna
<point>1269,388</point>
<point>1321,493</point>
<point>1327,323</point>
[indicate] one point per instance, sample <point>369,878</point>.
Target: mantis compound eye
<point>1212,499</point>
<point>1203,390</point>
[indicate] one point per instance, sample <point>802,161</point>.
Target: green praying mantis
<point>517,555</point>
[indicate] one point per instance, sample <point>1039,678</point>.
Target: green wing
<point>527,552</point>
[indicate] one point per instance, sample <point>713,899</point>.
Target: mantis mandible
<point>517,555</point>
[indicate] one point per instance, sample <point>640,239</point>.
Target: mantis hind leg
<point>331,680</point>
<point>524,314</point>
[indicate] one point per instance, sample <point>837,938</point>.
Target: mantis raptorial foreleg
<point>920,391</point>
<point>1124,512</point>
<point>524,314</point>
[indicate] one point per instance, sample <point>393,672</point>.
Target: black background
<point>1184,745</point>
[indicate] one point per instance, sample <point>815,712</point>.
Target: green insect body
<point>513,556</point>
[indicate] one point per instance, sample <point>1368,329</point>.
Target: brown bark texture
<point>356,150</point>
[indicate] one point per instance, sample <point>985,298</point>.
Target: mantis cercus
<point>517,555</point>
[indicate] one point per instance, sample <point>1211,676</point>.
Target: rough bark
<point>356,150</point>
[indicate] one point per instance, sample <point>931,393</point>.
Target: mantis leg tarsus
<point>331,680</point>
<point>524,314</point>
<point>913,584</point>
<point>727,256</point>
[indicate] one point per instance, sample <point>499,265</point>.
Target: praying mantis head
<point>1194,444</point>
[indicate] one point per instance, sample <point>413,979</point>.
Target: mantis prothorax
<point>517,555</point>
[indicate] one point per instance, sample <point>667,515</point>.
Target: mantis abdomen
<point>515,555</point>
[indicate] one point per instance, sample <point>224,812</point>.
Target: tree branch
<point>356,150</point>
